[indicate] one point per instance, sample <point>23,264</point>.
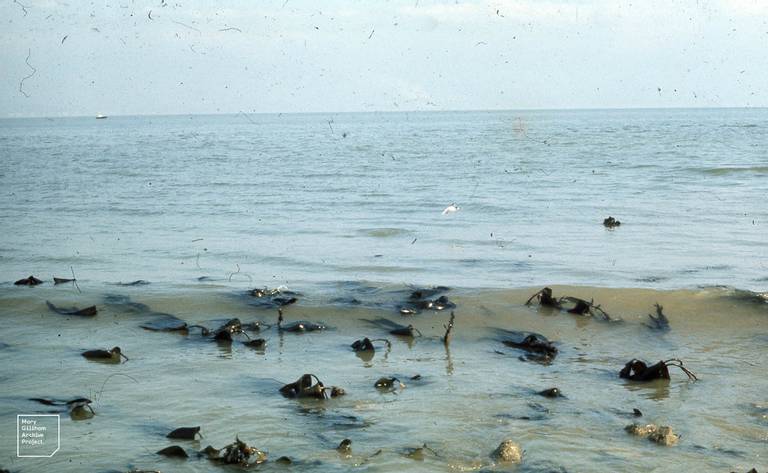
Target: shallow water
<point>205,208</point>
<point>469,397</point>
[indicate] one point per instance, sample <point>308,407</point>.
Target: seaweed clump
<point>420,300</point>
<point>572,305</point>
<point>538,348</point>
<point>237,453</point>
<point>638,370</point>
<point>305,388</point>
<point>660,321</point>
<point>30,281</point>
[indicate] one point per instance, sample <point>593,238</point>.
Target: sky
<point>131,57</point>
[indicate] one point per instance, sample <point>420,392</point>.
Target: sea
<point>179,218</point>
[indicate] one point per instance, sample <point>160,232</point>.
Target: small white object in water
<point>451,209</point>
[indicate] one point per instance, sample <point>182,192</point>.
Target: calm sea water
<point>347,209</point>
<point>306,199</point>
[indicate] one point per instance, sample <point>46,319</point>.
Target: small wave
<point>731,170</point>
<point>380,269</point>
<point>384,232</point>
<point>652,279</point>
<point>748,297</point>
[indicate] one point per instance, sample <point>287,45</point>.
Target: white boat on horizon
<point>100,117</point>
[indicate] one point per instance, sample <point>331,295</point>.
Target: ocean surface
<point>347,211</point>
<point>307,199</point>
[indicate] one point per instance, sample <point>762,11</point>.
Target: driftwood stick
<point>448,330</point>
<point>74,280</point>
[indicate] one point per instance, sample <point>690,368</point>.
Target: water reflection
<point>656,390</point>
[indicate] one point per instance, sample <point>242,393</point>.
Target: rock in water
<point>345,448</point>
<point>641,430</point>
<point>662,435</point>
<point>508,452</point>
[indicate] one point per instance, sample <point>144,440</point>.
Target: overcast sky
<point>167,57</point>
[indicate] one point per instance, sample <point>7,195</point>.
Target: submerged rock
<point>174,451</point>
<point>86,312</point>
<point>508,452</point>
<point>284,461</point>
<point>405,331</point>
<point>165,323</point>
<point>138,282</point>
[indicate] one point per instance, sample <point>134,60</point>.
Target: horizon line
<point>468,110</point>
